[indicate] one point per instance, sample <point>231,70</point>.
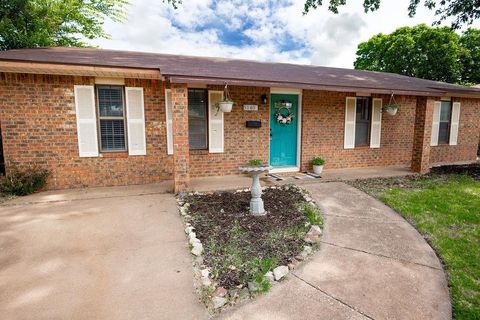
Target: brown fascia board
<point>307,86</point>
<point>77,70</point>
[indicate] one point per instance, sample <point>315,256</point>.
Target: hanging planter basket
<point>226,104</point>
<point>392,107</point>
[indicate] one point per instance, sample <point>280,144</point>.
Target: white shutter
<point>454,124</point>
<point>168,112</point>
<point>215,123</point>
<point>376,128</point>
<point>86,121</point>
<point>350,115</point>
<point>135,121</point>
<point>436,123</point>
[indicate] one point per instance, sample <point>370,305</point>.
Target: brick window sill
<point>121,154</point>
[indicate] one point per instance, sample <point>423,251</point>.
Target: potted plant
<point>391,109</point>
<point>318,163</point>
<point>225,105</point>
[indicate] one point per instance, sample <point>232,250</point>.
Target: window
<point>111,118</point>
<point>362,122</point>
<point>445,118</point>
<point>197,118</point>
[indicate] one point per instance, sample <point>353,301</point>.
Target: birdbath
<point>256,202</point>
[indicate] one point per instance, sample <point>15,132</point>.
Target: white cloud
<point>269,31</point>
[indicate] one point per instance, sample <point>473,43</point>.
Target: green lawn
<point>446,210</point>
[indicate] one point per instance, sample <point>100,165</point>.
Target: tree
<point>38,23</point>
<point>463,11</point>
<point>421,51</point>
<point>471,59</point>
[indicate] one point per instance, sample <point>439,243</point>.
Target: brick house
<point>101,117</point>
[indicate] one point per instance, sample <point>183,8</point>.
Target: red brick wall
<point>468,136</point>
<point>323,117</point>
<point>241,144</point>
<point>37,115</point>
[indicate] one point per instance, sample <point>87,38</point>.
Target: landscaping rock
<point>307,250</point>
<point>269,275</point>
<point>206,282</point>
<point>205,273</point>
<point>197,248</point>
<point>220,292</point>
<point>244,293</point>
<point>313,235</point>
<point>189,229</point>
<point>194,240</point>
<point>219,302</point>
<point>280,272</point>
<point>253,287</point>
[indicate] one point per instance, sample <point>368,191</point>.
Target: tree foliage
<point>38,23</point>
<point>425,52</point>
<point>463,11</point>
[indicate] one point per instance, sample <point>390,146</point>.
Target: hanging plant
<point>226,104</point>
<point>392,107</point>
<point>284,113</point>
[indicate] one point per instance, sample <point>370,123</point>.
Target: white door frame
<point>297,92</point>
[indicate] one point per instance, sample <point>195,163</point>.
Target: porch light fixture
<point>263,98</point>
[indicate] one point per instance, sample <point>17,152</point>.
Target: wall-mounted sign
<point>250,107</point>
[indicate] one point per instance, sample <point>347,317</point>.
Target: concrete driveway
<point>103,253</point>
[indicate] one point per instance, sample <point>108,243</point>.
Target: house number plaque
<point>250,107</point>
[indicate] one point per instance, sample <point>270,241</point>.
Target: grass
<point>446,210</point>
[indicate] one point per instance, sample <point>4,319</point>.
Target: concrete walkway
<point>372,265</point>
<point>99,253</point>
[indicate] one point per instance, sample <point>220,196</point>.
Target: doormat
<point>292,176</point>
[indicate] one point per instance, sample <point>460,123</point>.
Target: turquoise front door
<point>283,130</point>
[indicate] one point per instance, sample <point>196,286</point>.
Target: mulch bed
<point>231,234</point>
<point>472,170</point>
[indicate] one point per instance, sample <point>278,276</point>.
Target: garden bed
<point>239,251</point>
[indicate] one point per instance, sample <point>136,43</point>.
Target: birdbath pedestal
<point>256,202</point>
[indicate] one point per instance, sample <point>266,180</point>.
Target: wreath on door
<point>283,113</point>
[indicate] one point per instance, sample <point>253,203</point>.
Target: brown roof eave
<point>307,86</point>
<point>12,66</point>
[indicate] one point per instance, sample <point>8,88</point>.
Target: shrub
<point>23,182</point>
<point>317,161</point>
<point>255,163</point>
<point>313,215</point>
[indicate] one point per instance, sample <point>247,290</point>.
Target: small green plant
<point>391,106</point>
<point>22,182</point>
<point>258,269</point>
<point>313,215</point>
<point>255,163</point>
<point>317,161</point>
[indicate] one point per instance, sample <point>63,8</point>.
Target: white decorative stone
<point>219,302</point>
<point>313,235</point>
<point>205,273</point>
<point>183,211</point>
<point>206,282</point>
<point>197,248</point>
<point>280,272</point>
<point>307,250</point>
<point>189,229</point>
<point>193,240</point>
<point>269,275</point>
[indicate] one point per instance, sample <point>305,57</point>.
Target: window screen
<point>362,121</point>
<point>197,118</point>
<point>445,118</point>
<point>111,115</point>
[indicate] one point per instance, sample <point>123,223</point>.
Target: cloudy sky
<point>256,29</point>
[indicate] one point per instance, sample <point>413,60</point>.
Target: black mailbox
<point>254,124</point>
